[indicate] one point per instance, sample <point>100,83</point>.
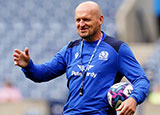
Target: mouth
<point>83,30</point>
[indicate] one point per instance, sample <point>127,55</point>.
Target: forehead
<point>81,13</point>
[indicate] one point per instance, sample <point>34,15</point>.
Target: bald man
<point>89,19</point>
<point>92,65</point>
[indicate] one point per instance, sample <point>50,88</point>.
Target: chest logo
<point>81,67</point>
<point>103,55</point>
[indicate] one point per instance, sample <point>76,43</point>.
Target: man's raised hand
<point>21,58</point>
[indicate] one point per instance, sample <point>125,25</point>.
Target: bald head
<point>90,6</point>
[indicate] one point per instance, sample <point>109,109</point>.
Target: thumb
<point>120,107</point>
<point>26,51</point>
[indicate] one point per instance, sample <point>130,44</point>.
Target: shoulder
<point>74,43</point>
<point>125,50</point>
<point>115,43</point>
<point>68,46</point>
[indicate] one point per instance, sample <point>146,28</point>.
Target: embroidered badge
<point>103,55</point>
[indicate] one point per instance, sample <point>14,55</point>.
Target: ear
<point>101,20</point>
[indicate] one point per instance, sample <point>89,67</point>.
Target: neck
<point>93,38</point>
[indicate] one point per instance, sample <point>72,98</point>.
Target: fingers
<point>17,51</point>
<point>21,58</point>
<point>16,55</point>
<point>120,107</point>
<point>124,110</point>
<point>26,51</point>
<point>128,107</point>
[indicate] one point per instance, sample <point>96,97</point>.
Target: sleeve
<point>47,71</point>
<point>132,70</point>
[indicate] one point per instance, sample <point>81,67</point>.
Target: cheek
<point>91,25</point>
<point>95,26</point>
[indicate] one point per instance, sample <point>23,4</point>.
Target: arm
<point>132,70</point>
<point>40,72</point>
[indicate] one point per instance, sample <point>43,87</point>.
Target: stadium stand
<point>44,26</point>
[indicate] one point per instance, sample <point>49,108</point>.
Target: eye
<point>78,20</point>
<point>86,19</point>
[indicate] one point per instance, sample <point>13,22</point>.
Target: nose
<point>81,23</point>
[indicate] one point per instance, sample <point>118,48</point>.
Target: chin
<point>84,35</point>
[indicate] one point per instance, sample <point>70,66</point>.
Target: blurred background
<point>45,26</point>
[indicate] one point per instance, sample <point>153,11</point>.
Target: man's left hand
<point>128,107</point>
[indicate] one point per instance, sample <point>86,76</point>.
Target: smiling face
<point>88,20</point>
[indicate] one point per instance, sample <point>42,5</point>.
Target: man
<point>92,64</point>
